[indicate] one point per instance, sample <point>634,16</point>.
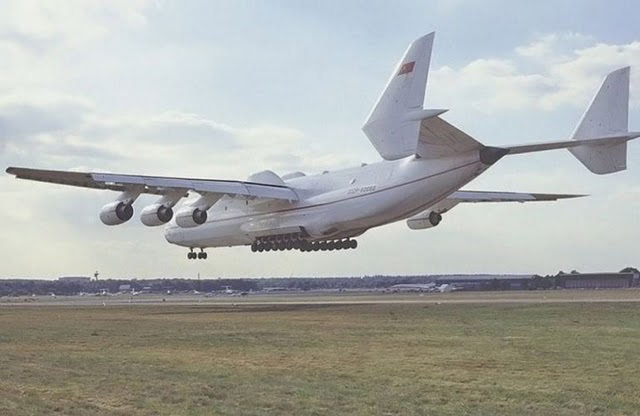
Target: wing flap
<point>157,185</point>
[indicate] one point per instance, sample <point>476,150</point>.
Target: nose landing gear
<point>191,255</point>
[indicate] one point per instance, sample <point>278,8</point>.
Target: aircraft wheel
<point>435,218</point>
<point>353,244</point>
<point>204,256</point>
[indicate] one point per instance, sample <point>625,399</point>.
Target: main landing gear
<point>191,255</point>
<point>295,242</point>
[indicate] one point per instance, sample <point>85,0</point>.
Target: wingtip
<point>571,196</point>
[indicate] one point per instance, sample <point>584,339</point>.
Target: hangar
<point>562,280</point>
<point>599,280</point>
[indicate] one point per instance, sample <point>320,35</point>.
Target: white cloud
<point>554,46</point>
<point>39,26</point>
<point>553,71</point>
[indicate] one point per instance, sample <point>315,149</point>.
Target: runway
<point>334,298</point>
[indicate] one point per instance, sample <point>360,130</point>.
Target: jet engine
<point>189,217</point>
<point>424,220</point>
<point>116,213</point>
<point>156,214</point>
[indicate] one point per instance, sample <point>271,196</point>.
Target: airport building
<point>487,281</point>
<point>599,280</point>
<point>74,279</point>
<point>534,282</point>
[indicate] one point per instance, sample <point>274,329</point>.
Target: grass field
<point>382,359</point>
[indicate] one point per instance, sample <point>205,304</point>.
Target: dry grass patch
<point>404,359</point>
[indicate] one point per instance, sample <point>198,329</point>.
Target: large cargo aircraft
<point>426,162</point>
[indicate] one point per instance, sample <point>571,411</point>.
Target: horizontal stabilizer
<point>439,139</point>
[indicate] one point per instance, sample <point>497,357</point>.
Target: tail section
<point>607,115</point>
<point>398,126</point>
<point>394,123</point>
<point>599,141</point>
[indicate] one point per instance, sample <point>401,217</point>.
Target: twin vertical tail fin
<point>599,141</point>
<point>394,122</point>
<point>398,126</point>
<point>607,116</point>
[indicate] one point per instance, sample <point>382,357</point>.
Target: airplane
<point>425,163</point>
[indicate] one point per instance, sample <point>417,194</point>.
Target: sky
<point>223,89</point>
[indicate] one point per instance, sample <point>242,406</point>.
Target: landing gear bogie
<point>202,255</point>
<point>301,243</point>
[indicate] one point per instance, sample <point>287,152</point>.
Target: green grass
<point>384,359</point>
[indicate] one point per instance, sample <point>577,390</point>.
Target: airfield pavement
<point>337,298</point>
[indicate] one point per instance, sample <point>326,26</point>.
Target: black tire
<point>435,218</point>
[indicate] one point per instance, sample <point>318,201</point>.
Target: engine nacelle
<point>116,213</point>
<point>189,217</point>
<point>156,214</point>
<point>424,222</point>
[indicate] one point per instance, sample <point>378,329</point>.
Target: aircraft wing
<point>489,196</point>
<point>432,216</point>
<point>157,185</point>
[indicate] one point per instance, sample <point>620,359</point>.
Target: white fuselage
<point>338,204</point>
